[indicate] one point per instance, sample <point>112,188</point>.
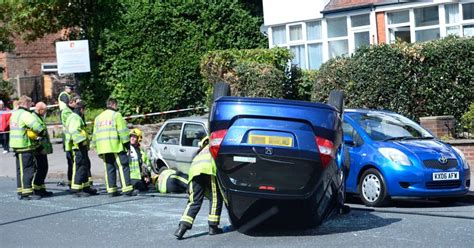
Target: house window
<point>361,39</point>
<point>360,20</point>
<point>296,33</point>
<point>468,30</point>
<point>337,27</point>
<point>398,17</point>
<point>338,48</point>
<point>452,17</point>
<point>299,53</point>
<point>468,11</point>
<point>279,35</point>
<point>399,26</point>
<point>313,30</point>
<point>315,55</point>
<point>426,16</point>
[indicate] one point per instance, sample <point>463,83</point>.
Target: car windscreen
<point>383,126</point>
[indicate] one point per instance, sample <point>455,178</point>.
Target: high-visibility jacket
<point>137,161</point>
<point>75,132</point>
<point>44,143</point>
<point>21,121</point>
<point>65,113</point>
<point>62,104</point>
<point>165,175</point>
<point>110,132</point>
<point>202,163</point>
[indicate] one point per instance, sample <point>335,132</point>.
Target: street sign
<point>73,56</point>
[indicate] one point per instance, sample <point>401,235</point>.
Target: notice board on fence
<point>73,56</point>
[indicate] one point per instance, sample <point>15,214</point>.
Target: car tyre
<point>220,89</point>
<point>336,99</point>
<point>373,189</point>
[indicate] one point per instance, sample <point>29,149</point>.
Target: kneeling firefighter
<point>202,181</point>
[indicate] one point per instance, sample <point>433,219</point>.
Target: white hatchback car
<point>177,141</point>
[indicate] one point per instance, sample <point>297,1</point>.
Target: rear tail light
<point>264,187</point>
<point>326,150</point>
<point>215,142</point>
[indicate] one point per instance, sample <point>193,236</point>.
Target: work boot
<point>24,197</point>
<point>90,191</point>
<point>114,194</point>
<point>45,193</point>
<point>213,230</point>
<point>179,233</point>
<point>131,193</point>
<point>344,209</point>
<point>35,197</point>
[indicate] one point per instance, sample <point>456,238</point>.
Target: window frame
<point>158,139</point>
<point>184,128</point>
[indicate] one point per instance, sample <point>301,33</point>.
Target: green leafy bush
<point>152,54</point>
<point>468,119</point>
<point>416,80</point>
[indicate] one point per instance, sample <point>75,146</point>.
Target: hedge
<point>416,80</point>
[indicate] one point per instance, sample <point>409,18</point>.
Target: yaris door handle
<point>182,150</point>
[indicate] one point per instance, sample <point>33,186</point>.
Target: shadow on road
<point>352,222</point>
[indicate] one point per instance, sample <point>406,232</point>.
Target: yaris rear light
<point>215,141</point>
<point>326,150</point>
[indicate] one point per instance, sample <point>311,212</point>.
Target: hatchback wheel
<point>372,188</point>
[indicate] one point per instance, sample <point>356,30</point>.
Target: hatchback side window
<point>350,131</point>
<point>192,134</point>
<point>171,134</point>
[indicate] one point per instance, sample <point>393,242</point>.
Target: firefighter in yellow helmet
<point>140,166</point>
<point>202,180</point>
<point>24,144</point>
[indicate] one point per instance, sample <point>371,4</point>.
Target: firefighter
<point>111,141</point>
<point>170,181</point>
<point>64,97</point>
<point>78,140</point>
<point>24,131</point>
<point>140,167</point>
<point>202,178</point>
<point>41,154</point>
<point>65,113</point>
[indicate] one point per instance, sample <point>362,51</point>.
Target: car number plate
<point>270,140</point>
<point>441,176</point>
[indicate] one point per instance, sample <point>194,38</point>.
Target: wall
<point>466,147</point>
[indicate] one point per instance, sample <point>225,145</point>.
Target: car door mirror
<point>348,140</point>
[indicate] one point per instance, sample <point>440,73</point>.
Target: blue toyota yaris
<point>392,156</point>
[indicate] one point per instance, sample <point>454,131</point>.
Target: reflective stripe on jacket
<point>20,121</point>
<point>136,162</point>
<point>63,105</point>
<point>203,163</point>
<point>75,132</point>
<point>110,132</point>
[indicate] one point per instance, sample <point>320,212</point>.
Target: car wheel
<point>372,188</point>
<point>220,89</point>
<point>336,99</point>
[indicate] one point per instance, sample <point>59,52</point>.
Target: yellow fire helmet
<point>31,134</point>
<point>137,132</point>
<point>204,142</point>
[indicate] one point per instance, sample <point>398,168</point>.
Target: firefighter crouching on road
<point>77,140</point>
<point>170,181</point>
<point>41,154</point>
<point>24,130</point>
<point>65,113</point>
<point>111,141</point>
<point>139,163</point>
<point>202,179</point>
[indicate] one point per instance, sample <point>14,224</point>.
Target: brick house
<point>26,65</point>
<point>317,30</point>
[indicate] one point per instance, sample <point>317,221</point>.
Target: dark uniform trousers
<point>196,190</point>
<point>177,183</point>
<point>69,160</point>
<point>114,162</point>
<point>81,166</point>
<point>139,184</point>
<point>25,169</point>
<point>41,171</point>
